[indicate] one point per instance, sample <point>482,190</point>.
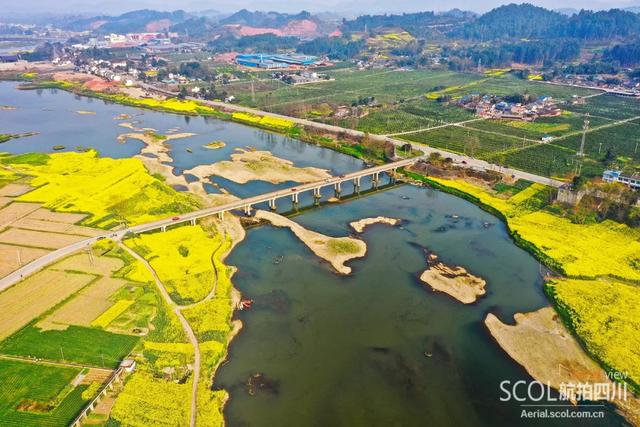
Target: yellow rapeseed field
<point>147,401</point>
<point>105,188</point>
<point>112,313</point>
<point>264,121</point>
<point>182,258</point>
<point>584,250</point>
<point>606,315</point>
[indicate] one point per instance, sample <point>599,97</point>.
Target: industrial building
<point>273,61</point>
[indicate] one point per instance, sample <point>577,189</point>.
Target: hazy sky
<point>358,6</point>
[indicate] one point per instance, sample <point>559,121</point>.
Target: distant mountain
<point>604,25</point>
<point>568,11</point>
<point>414,23</point>
<point>303,25</point>
<point>525,21</point>
<point>632,9</point>
<point>513,21</point>
<point>264,19</point>
<point>195,27</point>
<point>136,21</point>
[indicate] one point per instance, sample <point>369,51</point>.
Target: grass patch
<point>343,246</point>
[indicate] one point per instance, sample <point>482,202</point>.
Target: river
<point>372,348</point>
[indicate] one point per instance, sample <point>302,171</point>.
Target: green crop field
<point>608,106</point>
<point>508,84</point>
<point>467,141</point>
<point>75,344</point>
<point>408,103</point>
<point>622,140</point>
<point>23,383</point>
<point>544,159</point>
<point>387,86</point>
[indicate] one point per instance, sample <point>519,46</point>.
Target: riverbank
<point>343,142</point>
<point>540,342</point>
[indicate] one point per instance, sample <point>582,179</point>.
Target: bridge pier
<point>294,198</point>
<point>272,204</point>
<point>163,228</point>
<point>392,175</point>
<point>247,210</point>
<point>356,183</point>
<point>221,215</point>
<point>193,221</point>
<point>375,179</point>
<point>337,189</point>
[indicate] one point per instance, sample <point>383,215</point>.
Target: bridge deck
<point>274,195</point>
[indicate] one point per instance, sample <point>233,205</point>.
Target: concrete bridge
<point>245,205</point>
<point>293,193</point>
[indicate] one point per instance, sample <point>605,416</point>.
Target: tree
<point>472,142</point>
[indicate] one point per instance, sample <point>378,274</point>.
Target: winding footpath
<point>185,325</point>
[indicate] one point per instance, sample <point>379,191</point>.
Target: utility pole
<point>580,154</point>
<point>585,128</point>
<point>253,92</point>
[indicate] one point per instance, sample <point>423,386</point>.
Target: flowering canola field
<point>106,189</point>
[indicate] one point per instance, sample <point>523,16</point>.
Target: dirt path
<point>436,127</point>
<point>52,362</point>
<point>185,325</point>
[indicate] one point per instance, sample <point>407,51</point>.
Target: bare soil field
<point>4,201</point>
<point>15,211</point>
<point>14,190</point>
<point>91,301</point>
<point>38,239</point>
<point>95,375</point>
<point>38,293</point>
<point>31,230</point>
<point>12,257</point>
<point>55,227</point>
<point>85,307</point>
<point>47,215</point>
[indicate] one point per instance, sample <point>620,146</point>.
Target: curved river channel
<point>319,349</point>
